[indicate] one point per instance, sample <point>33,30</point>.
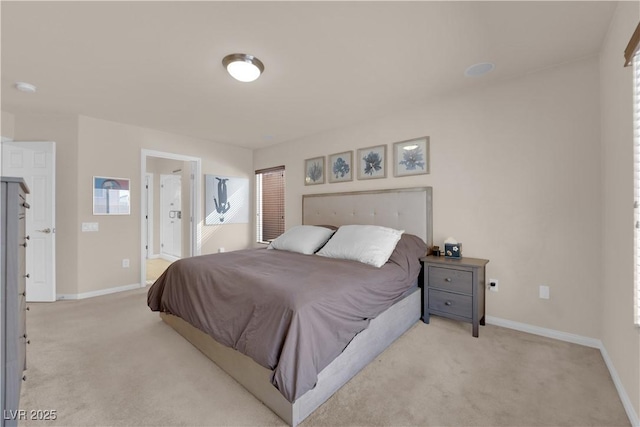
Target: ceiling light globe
<point>243,71</point>
<point>243,67</point>
<point>25,87</point>
<point>480,69</point>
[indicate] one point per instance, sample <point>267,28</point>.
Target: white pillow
<point>369,244</point>
<point>304,239</point>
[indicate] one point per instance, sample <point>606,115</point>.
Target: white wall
<point>515,172</point>
<point>63,129</point>
<point>619,335</point>
<point>7,125</point>
<point>90,262</point>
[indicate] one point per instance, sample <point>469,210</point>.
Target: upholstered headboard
<point>408,209</point>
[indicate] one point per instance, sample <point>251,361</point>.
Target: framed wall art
<point>314,171</point>
<point>372,162</point>
<point>341,167</point>
<point>111,196</point>
<point>226,200</point>
<point>411,157</point>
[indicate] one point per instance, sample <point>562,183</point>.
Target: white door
<point>171,217</point>
<point>35,162</point>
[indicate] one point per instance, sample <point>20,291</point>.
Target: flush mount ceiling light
<point>243,67</point>
<point>25,87</point>
<point>480,69</point>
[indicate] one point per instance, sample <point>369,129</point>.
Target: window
<point>632,57</point>
<point>636,185</point>
<point>269,203</point>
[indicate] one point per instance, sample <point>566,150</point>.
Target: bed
<point>344,313</point>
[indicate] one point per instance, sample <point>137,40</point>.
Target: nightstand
<point>454,288</point>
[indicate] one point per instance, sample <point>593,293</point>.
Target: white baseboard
<point>549,333</point>
<point>576,339</point>
<point>153,256</point>
<point>626,402</point>
<point>97,293</point>
<point>168,257</point>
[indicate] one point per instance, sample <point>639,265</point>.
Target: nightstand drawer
<point>450,279</point>
<point>447,302</point>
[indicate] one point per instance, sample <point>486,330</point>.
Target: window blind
<point>632,48</point>
<point>636,185</point>
<point>270,203</point>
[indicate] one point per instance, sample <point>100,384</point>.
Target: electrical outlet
<point>125,263</point>
<point>544,292</point>
<point>493,285</point>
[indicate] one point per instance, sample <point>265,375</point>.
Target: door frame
<point>195,205</point>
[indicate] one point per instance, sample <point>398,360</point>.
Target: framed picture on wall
<point>314,171</point>
<point>226,200</point>
<point>341,167</point>
<point>111,196</point>
<point>372,162</point>
<point>411,157</point>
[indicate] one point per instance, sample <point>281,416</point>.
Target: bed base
<point>366,346</point>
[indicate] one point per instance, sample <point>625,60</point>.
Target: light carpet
<point>110,361</point>
<point>155,268</point>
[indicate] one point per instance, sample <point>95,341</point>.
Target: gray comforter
<point>291,313</point>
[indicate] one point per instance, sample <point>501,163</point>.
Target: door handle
<point>46,230</point>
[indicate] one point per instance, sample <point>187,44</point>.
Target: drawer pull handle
<point>28,341</point>
<point>23,244</point>
<point>24,378</point>
<point>27,276</point>
<point>25,335</point>
<point>447,303</point>
<point>27,237</point>
<point>45,230</point>
<point>25,205</point>
<point>27,309</point>
<point>24,294</point>
<point>448,279</point>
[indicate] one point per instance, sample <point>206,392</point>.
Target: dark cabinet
<point>13,359</point>
<point>454,288</point>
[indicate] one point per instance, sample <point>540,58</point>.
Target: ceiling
<point>327,64</point>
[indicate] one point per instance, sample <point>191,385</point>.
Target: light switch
<point>89,226</point>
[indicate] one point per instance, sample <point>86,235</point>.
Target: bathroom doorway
<point>170,211</point>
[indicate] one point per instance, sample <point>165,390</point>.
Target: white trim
<point>196,224</point>
<point>549,333</point>
<point>576,339</point>
<point>148,212</point>
<point>624,397</point>
<point>98,293</point>
<point>168,257</point>
<point>154,256</point>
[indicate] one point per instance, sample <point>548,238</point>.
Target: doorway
<point>170,214</point>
